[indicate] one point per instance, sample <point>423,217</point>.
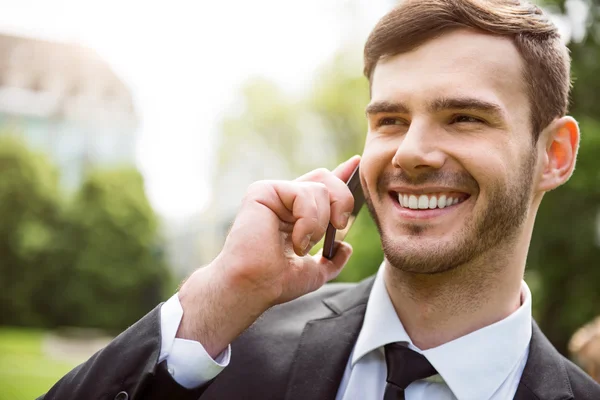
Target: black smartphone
<point>332,235</point>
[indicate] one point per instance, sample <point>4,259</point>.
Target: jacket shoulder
<point>287,320</point>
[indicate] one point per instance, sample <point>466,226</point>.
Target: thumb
<point>333,267</point>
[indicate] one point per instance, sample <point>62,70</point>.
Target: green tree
<point>30,220</point>
<point>118,274</point>
<point>565,252</point>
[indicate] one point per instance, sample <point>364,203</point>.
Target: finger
<point>345,169</point>
<point>315,271</point>
<point>341,201</point>
<point>306,212</point>
<point>294,203</point>
<point>322,200</point>
<point>332,268</point>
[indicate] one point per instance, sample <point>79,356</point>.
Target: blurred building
<point>67,102</point>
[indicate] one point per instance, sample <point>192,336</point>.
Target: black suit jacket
<point>295,351</point>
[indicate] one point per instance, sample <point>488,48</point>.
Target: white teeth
<point>401,201</point>
<point>423,202</point>
<point>412,202</point>
<point>433,202</point>
<point>442,201</point>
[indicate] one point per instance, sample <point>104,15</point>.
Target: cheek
<point>494,171</point>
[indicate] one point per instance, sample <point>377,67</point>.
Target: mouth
<point>416,205</point>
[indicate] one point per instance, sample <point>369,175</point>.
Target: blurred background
<point>129,132</point>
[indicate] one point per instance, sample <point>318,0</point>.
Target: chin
<point>425,255</point>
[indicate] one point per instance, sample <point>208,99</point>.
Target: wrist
<point>215,311</point>
<point>235,277</point>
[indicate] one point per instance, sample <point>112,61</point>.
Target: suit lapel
<point>326,344</point>
<point>544,376</point>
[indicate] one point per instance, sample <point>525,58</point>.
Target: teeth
<point>442,201</point>
<point>433,202</point>
<point>423,202</point>
<point>412,202</point>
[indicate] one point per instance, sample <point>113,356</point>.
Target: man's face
<point>448,162</point>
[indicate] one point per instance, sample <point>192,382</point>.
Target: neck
<point>438,308</point>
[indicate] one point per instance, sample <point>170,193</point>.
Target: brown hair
<point>546,58</point>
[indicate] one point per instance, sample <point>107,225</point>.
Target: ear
<point>560,143</point>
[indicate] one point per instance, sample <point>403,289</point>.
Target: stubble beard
<point>497,226</point>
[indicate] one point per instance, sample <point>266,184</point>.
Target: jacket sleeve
<point>126,369</point>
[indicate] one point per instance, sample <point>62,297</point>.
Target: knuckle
<point>255,187</point>
<point>320,188</point>
<point>305,190</point>
<point>313,222</point>
<point>321,174</point>
<point>258,190</point>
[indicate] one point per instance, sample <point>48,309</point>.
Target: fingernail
<point>305,243</point>
<point>346,218</point>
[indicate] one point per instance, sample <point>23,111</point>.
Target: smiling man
<point>467,132</point>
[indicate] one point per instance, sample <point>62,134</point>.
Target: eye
<point>466,119</point>
<point>389,121</point>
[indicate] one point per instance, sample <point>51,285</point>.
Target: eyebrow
<point>445,103</point>
<point>466,103</point>
<point>380,107</point>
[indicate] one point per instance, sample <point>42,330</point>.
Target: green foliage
<point>565,252</point>
<point>564,255</point>
<point>29,220</point>
<point>92,261</point>
<point>367,254</point>
<point>117,275</point>
<point>269,116</point>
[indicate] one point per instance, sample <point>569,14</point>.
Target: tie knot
<point>405,366</point>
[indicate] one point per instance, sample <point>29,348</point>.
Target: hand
<point>265,258</point>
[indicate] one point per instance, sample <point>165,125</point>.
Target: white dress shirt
<point>187,360</point>
<point>485,364</point>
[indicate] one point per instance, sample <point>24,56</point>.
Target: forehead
<point>461,63</point>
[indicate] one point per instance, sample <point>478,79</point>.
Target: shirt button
<point>122,396</point>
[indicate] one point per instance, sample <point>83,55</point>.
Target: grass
<point>25,372</point>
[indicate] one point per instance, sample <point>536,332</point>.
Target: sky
<point>184,62</point>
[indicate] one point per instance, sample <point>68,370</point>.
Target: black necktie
<point>404,366</point>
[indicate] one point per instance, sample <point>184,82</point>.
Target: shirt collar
<point>462,361</point>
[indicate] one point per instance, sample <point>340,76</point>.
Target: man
<point>467,131</point>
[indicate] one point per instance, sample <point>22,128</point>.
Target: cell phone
<point>332,235</point>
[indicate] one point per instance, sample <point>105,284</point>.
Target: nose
<point>419,150</point>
